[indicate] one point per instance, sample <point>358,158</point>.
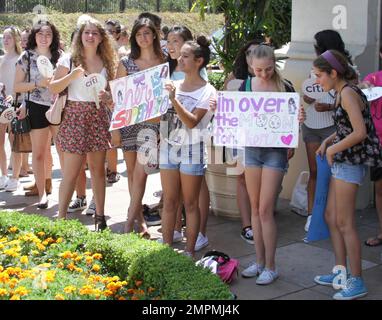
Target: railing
<point>96,6</point>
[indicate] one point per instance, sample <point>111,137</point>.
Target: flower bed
<point>42,259</point>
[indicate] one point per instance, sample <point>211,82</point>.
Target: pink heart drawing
<point>287,139</point>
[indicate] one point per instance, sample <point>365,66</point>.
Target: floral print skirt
<point>84,128</point>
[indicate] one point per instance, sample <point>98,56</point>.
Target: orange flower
<point>13,229</point>
<point>97,256</point>
<point>96,267</point>
<point>138,283</point>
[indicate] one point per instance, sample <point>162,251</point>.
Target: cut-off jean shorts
<point>270,158</point>
<point>350,173</point>
<point>188,159</point>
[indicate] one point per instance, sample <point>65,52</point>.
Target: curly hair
<point>135,49</point>
<point>54,46</point>
<point>105,49</point>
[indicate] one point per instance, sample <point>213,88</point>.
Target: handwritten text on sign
<point>257,119</point>
<point>139,97</point>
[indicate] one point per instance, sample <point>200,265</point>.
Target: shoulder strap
<point>29,69</point>
<point>248,84</point>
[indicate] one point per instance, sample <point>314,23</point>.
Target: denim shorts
<point>350,173</point>
<point>188,159</point>
<point>271,158</point>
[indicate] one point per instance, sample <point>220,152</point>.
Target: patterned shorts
<point>84,128</point>
<point>140,137</point>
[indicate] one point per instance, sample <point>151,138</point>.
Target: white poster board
<point>257,119</point>
<point>140,97</point>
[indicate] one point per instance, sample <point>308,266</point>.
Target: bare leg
<point>72,166</point>
<point>204,206</point>
<point>96,161</point>
<point>170,180</point>
<point>335,234</point>
<point>3,156</point>
<point>190,190</point>
<point>243,201</point>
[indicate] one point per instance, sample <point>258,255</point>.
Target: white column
<point>358,22</point>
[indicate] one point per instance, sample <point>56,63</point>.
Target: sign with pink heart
<point>257,119</point>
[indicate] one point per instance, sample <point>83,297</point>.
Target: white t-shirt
<point>179,133</point>
<point>77,90</point>
<point>7,73</point>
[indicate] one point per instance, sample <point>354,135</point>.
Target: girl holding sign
<point>349,150</point>
<point>11,42</point>
<point>182,152</point>
<point>84,131</point>
<point>139,138</point>
<point>264,172</point>
<point>44,40</point>
<point>176,38</point>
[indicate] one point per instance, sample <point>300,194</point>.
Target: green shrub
<point>127,256</point>
<point>216,79</point>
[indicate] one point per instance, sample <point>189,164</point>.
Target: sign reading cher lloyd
<point>139,97</point>
<point>257,119</point>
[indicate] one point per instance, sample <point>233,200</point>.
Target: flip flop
<point>373,242</point>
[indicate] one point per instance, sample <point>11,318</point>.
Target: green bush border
<point>130,257</point>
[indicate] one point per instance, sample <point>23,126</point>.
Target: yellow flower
<point>50,275</point>
<point>96,267</point>
<point>59,240</point>
<point>79,270</point>
<point>1,268</point>
<point>71,266</point>
<point>66,255</point>
<point>40,246</point>
<point>22,291</point>
<point>12,283</point>
<point>60,265</point>
<point>59,297</point>
<point>3,292</point>
<point>89,260</point>
<point>45,243</point>
<point>45,265</point>
<point>15,297</point>
<point>35,252</point>
<point>78,259</point>
<point>87,253</point>
<point>70,289</point>
<point>49,240</point>
<point>13,229</point>
<point>24,260</point>
<point>97,256</point>
<point>41,234</point>
<point>108,293</point>
<point>11,253</point>
<point>86,290</point>
<point>4,277</point>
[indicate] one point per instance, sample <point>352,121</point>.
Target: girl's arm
<point>352,103</point>
<point>20,85</point>
<point>62,78</point>
<point>190,119</point>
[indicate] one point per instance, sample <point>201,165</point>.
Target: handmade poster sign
<point>45,67</point>
<point>373,93</point>
<point>140,96</point>
<point>94,84</point>
<point>257,119</point>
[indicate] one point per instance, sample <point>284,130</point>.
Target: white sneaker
<point>252,271</point>
<point>267,276</point>
<point>307,224</point>
<point>201,242</point>
<point>3,182</point>
<point>178,237</point>
<point>91,209</point>
<point>12,185</point>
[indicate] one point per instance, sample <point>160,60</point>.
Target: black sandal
<point>99,223</point>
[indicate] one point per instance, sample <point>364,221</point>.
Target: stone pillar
<point>358,22</point>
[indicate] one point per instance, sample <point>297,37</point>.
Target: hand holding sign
<point>95,83</point>
<point>45,67</point>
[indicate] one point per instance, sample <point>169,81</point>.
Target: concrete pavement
<point>297,261</point>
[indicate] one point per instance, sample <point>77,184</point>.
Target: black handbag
<point>19,126</point>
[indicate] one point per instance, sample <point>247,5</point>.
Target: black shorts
<point>37,116</point>
<point>375,173</point>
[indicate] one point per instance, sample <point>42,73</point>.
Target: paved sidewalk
<point>297,262</point>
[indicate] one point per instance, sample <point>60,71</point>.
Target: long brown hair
<point>135,49</point>
<point>105,49</point>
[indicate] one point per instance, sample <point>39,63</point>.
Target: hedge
<point>129,257</point>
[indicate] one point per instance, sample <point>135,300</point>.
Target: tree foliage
<point>246,20</point>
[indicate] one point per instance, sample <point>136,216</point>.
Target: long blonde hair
<point>264,51</point>
<point>105,49</point>
<point>15,33</point>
